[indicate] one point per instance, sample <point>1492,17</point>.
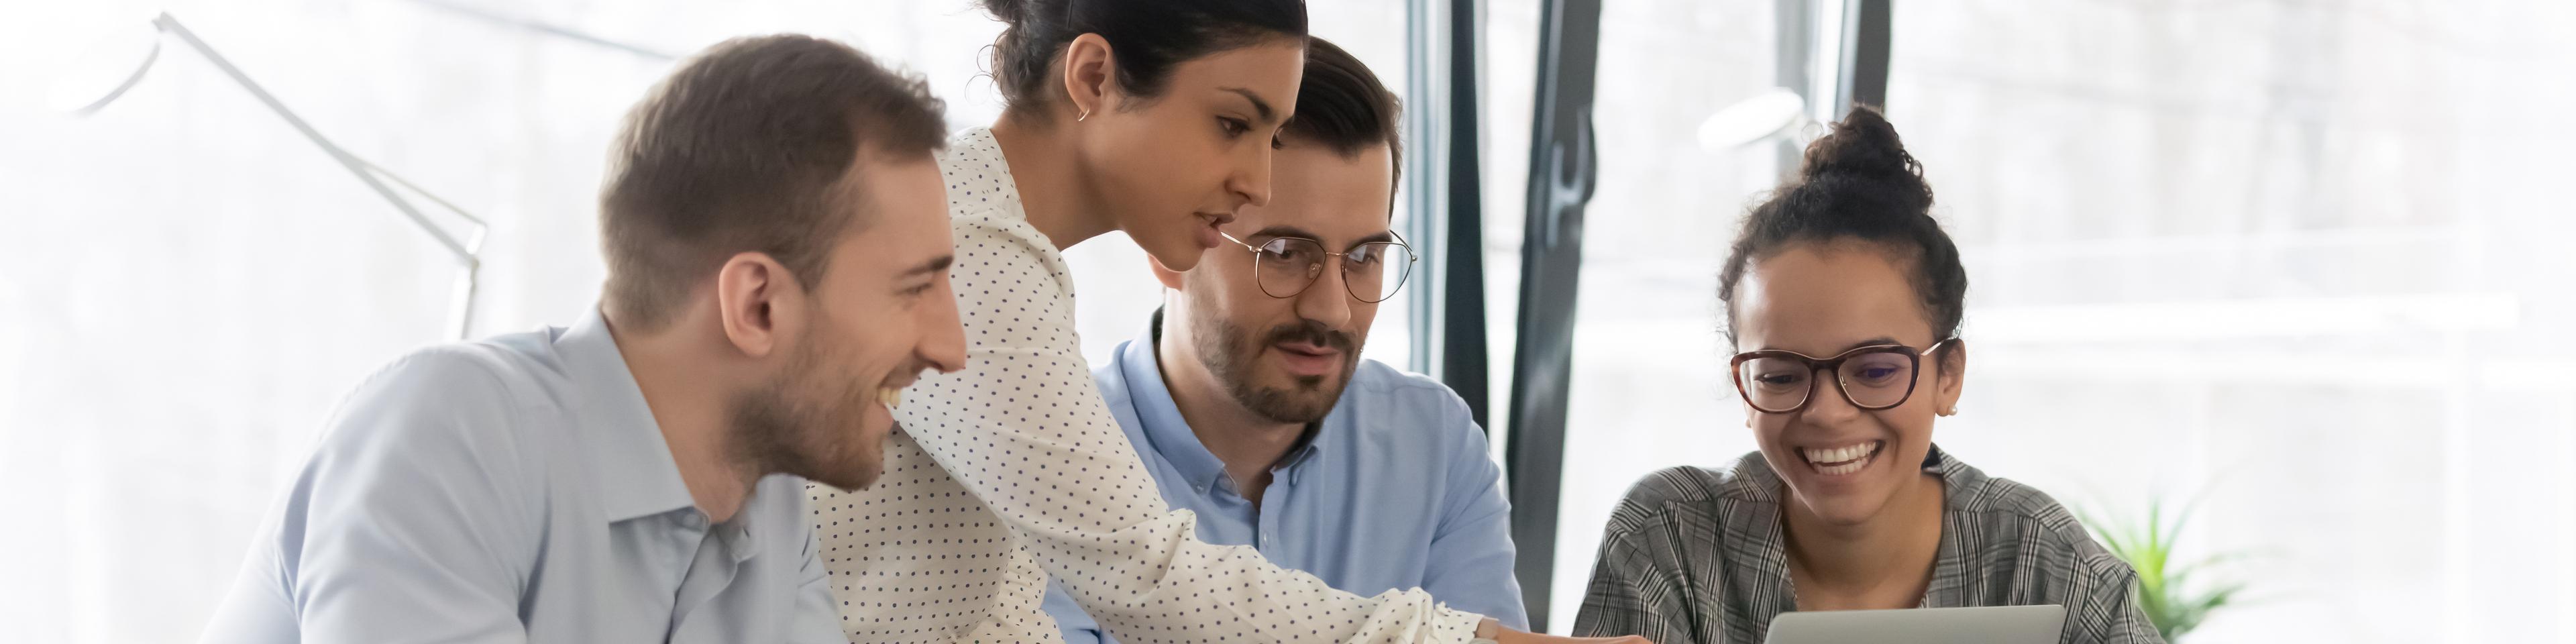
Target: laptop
<point>1986,625</point>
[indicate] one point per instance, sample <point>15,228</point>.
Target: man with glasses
<point>1253,409</point>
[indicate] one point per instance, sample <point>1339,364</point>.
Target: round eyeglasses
<point>1874,377</point>
<point>1371,271</point>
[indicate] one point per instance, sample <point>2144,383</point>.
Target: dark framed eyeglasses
<point>1372,271</point>
<point>1874,377</point>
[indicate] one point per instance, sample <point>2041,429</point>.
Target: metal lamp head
<point>106,68</point>
<point>1754,119</point>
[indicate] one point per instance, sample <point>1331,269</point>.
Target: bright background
<point>2297,259</point>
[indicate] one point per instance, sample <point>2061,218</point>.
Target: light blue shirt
<point>1395,489</point>
<point>517,489</point>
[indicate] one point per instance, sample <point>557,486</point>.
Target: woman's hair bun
<point>1858,183</point>
<point>1864,146</point>
<point>1009,11</point>
<point>1150,38</point>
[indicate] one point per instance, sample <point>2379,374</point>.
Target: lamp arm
<point>366,172</point>
<point>473,245</point>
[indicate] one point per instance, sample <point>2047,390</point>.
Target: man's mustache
<point>1310,332</point>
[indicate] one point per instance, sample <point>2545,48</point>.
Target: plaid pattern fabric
<point>1695,555</point>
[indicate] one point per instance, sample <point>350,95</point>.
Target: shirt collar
<point>629,462</point>
<point>1757,482</point>
<point>1169,435</point>
<point>975,152</point>
<point>1307,447</point>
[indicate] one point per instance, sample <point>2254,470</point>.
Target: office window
<point>2298,262</point>
<point>1648,389</point>
<point>2293,259</point>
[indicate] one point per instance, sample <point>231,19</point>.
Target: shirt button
<point>693,519</point>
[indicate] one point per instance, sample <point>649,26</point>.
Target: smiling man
<point>1249,402</point>
<point>778,257</point>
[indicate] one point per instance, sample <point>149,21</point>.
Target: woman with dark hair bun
<point>1845,299</point>
<point>1153,118</point>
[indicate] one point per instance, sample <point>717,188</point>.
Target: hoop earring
<point>1077,118</point>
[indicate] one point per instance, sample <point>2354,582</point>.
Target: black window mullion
<point>1562,171</point>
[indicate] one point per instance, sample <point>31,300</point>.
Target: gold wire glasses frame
<point>1286,266</point>
<point>1874,377</point>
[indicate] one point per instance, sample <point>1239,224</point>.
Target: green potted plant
<point>2176,596</point>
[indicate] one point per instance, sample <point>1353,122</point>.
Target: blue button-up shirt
<point>1394,489</point>
<point>517,489</point>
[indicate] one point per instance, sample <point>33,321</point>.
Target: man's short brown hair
<point>744,149</point>
<point>1342,106</point>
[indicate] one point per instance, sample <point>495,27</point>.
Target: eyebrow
<point>1259,106</point>
<point>1284,230</point>
<point>1872,342</point>
<point>932,266</point>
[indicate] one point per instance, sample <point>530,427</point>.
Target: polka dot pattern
<point>1013,470</point>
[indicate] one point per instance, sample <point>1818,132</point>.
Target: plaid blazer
<point>1695,555</point>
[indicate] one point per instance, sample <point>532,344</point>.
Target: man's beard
<point>1230,353</point>
<point>776,431</point>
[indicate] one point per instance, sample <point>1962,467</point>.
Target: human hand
<point>1509,636</point>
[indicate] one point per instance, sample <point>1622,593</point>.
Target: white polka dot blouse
<point>1013,470</point>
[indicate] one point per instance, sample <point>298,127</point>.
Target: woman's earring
<point>1077,118</point>
<point>1953,410</point>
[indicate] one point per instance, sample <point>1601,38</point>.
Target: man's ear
<point>1171,279</point>
<point>754,293</point>
<point>1090,74</point>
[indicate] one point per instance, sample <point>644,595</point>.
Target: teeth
<point>1839,454</point>
<point>1839,470</point>
<point>890,396</point>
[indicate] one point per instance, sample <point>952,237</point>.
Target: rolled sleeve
<point>1472,556</point>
